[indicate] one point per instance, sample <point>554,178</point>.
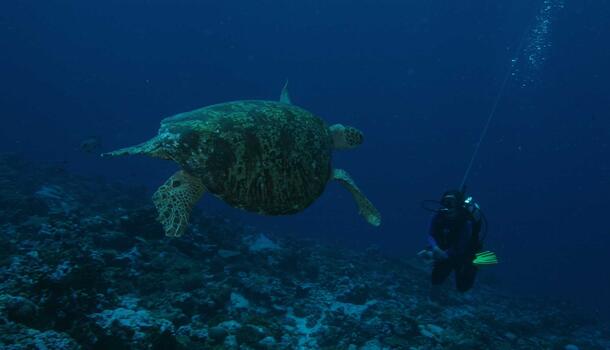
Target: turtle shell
<point>263,156</point>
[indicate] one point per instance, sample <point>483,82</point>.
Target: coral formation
<point>98,273</point>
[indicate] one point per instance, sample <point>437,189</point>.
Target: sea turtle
<point>268,157</point>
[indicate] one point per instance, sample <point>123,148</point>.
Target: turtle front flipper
<point>175,200</point>
<point>365,207</point>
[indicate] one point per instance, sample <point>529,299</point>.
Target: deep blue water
<point>418,77</point>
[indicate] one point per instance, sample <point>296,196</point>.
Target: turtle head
<point>345,137</point>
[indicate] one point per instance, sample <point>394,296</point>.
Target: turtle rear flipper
<point>175,200</point>
<point>365,207</point>
<point>153,148</point>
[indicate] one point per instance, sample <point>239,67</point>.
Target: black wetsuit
<point>459,238</point>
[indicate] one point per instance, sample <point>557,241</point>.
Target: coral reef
<point>83,265</point>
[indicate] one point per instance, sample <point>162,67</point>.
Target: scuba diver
<point>455,242</point>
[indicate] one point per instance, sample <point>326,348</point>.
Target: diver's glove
<point>485,258</point>
<point>426,254</point>
<point>433,254</point>
<point>438,254</point>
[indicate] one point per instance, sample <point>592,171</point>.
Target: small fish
<point>90,145</point>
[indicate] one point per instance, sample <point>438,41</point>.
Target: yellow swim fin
<point>485,258</point>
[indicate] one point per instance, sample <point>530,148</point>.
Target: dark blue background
<point>417,77</point>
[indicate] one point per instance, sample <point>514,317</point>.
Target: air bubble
<point>526,68</point>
